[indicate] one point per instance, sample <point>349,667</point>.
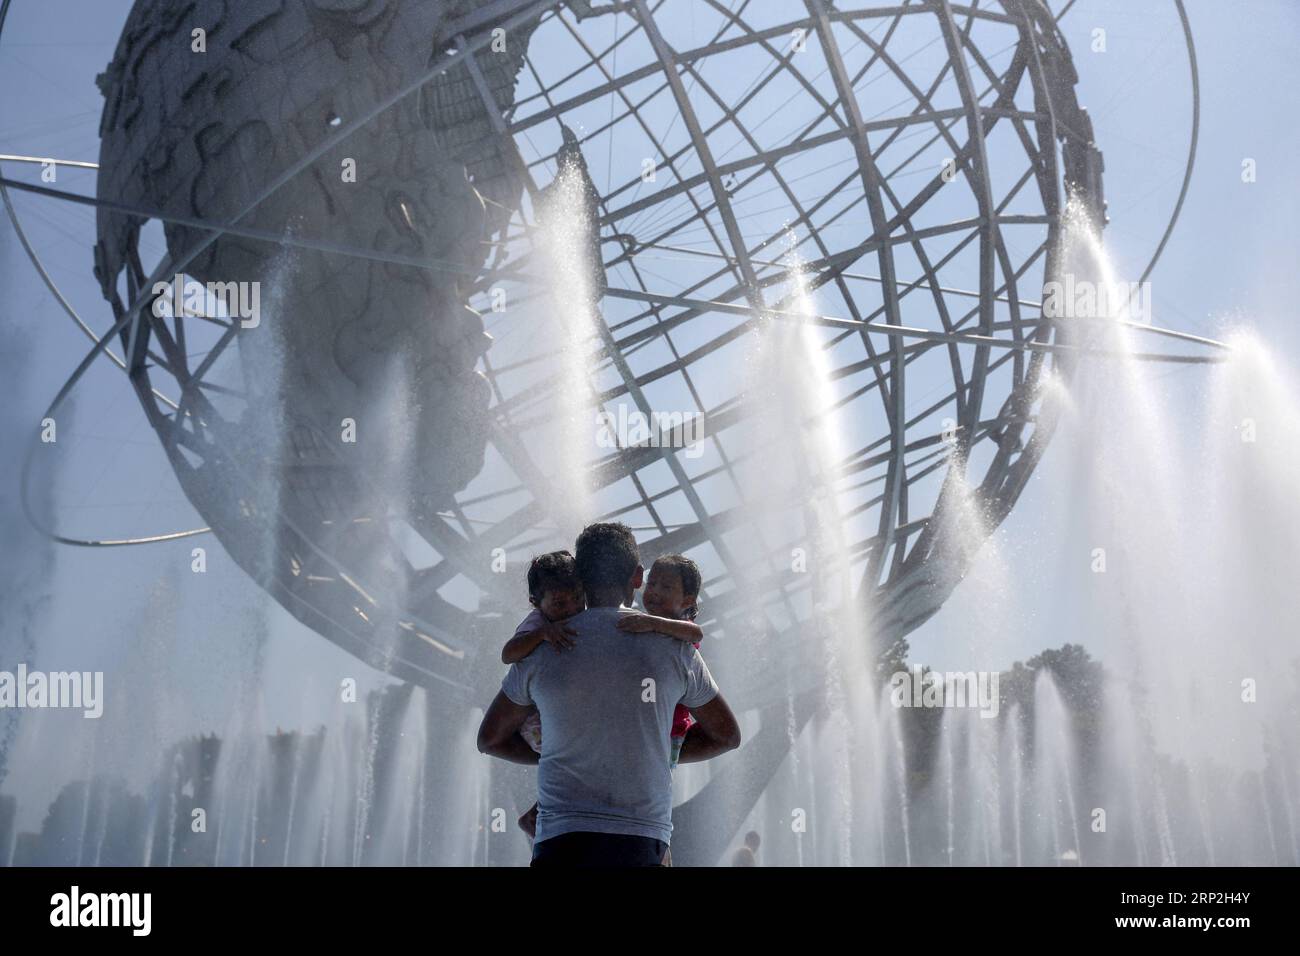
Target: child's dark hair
<point>688,572</point>
<point>555,569</point>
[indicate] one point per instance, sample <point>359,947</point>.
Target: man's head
<point>672,587</point>
<point>608,563</point>
<point>554,587</point>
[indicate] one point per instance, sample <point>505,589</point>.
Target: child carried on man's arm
<point>671,596</point>
<point>556,595</point>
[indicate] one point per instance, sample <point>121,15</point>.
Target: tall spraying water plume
<point>792,482</point>
<point>568,271</point>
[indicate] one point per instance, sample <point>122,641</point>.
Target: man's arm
<point>498,735</point>
<point>714,732</point>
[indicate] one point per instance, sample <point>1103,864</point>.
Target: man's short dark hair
<point>688,572</point>
<point>607,555</point>
<point>555,569</point>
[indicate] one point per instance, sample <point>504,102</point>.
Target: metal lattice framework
<point>920,155</point>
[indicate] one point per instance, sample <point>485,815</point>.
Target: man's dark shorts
<point>600,849</point>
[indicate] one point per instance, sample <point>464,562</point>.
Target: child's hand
<point>559,636</point>
<point>637,623</point>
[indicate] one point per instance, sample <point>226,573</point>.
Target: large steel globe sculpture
<point>920,155</point>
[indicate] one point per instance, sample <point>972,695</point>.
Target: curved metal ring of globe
<point>930,135</point>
